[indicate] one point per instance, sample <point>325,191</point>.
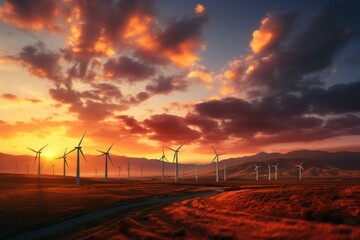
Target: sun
<point>49,155</point>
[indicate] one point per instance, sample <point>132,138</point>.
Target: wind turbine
<point>224,172</point>
<point>196,171</point>
<point>276,170</point>
<point>162,159</point>
<point>79,151</point>
<point>300,168</point>
<point>269,171</point>
<point>217,163</point>
<point>256,169</point>
<point>64,158</point>
<point>129,170</point>
<point>53,168</point>
<point>176,159</point>
<point>37,156</point>
<point>107,156</point>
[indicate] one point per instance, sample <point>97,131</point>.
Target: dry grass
<point>308,211</point>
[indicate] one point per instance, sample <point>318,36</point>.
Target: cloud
<point>32,15</point>
<point>289,58</point>
<point>40,62</point>
<point>170,128</point>
<point>132,124</point>
<point>165,85</point>
<point>127,68</point>
<point>15,98</point>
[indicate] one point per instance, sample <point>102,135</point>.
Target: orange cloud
<point>199,9</point>
<point>33,15</point>
<point>260,40</point>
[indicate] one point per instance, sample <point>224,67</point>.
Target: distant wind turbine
<point>196,171</point>
<point>107,156</point>
<point>256,169</point>
<point>182,175</point>
<point>276,170</point>
<point>37,156</point>
<point>162,159</point>
<point>269,171</point>
<point>79,151</point>
<point>129,170</point>
<point>53,168</point>
<point>216,157</point>
<point>300,168</point>
<point>65,161</point>
<point>176,159</point>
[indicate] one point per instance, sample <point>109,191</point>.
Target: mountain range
<point>316,164</point>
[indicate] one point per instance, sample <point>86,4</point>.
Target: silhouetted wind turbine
<point>37,156</point>
<point>269,171</point>
<point>217,163</point>
<point>79,151</point>
<point>65,161</point>
<point>176,159</point>
<point>107,156</point>
<point>129,170</point>
<point>300,168</point>
<point>276,170</point>
<point>162,159</point>
<point>256,169</point>
<point>196,171</point>
<point>53,168</point>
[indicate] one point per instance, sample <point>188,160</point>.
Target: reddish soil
<point>312,210</point>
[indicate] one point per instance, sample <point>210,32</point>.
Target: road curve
<point>43,232</point>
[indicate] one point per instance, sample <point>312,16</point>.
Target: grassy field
<point>28,203</point>
<point>314,209</point>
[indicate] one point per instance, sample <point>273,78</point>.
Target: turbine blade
<point>66,163</point>
<point>81,139</point>
<point>59,158</point>
<point>101,151</point>
<point>65,151</point>
<point>301,168</point>
<point>70,152</point>
<point>163,151</point>
<point>35,159</point>
<point>83,154</point>
<point>214,149</point>
<point>102,155</point>
<point>32,149</point>
<point>174,158</point>
<point>43,147</point>
<point>213,159</point>
<point>110,147</point>
<point>180,147</point>
<point>171,149</point>
<point>301,163</point>
<point>110,159</point>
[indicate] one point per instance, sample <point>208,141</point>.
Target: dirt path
<point>43,232</point>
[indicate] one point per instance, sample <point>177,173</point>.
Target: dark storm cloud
<point>33,15</point>
<point>167,128</point>
<point>127,68</point>
<point>132,124</point>
<point>295,65</point>
<point>165,85</point>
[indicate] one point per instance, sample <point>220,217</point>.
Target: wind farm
<point>176,119</point>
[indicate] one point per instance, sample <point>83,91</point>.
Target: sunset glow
<point>147,74</point>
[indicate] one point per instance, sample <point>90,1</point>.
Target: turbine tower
<point>107,156</point>
<point>53,168</point>
<point>217,163</point>
<point>269,171</point>
<point>37,156</point>
<point>196,171</point>
<point>276,170</point>
<point>79,151</point>
<point>300,168</point>
<point>65,161</point>
<point>176,159</point>
<point>129,170</point>
<point>162,159</point>
<point>256,169</point>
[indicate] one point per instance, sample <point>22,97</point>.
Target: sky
<point>244,76</point>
